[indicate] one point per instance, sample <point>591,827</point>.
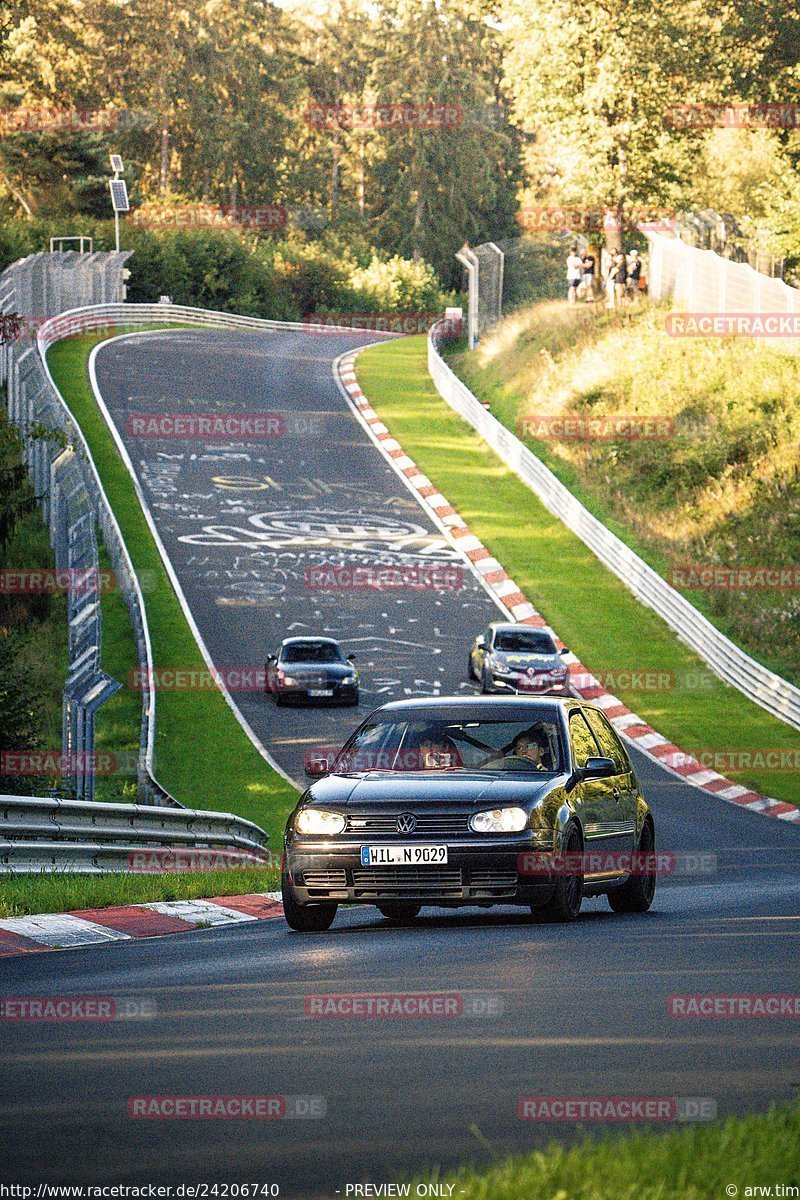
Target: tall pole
<point>468,260</point>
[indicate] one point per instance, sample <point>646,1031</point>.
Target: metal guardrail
<point>728,661</point>
<point>87,838</point>
<point>81,320</point>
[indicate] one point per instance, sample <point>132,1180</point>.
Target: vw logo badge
<point>406,823</point>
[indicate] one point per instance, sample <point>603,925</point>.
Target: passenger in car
<point>437,751</point>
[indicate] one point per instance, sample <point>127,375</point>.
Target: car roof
<point>454,707</point>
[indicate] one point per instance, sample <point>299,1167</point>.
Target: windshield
<point>525,641</point>
<point>493,746</point>
<point>311,652</point>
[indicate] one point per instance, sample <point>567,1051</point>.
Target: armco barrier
<point>728,661</point>
<point>89,838</point>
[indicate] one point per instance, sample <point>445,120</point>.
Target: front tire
<point>637,894</point>
<point>565,903</point>
<point>306,918</point>
<point>402,912</point>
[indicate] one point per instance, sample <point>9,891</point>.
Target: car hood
<point>401,789</point>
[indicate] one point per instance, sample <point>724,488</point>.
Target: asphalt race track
<point>583,1009</point>
<point>245,524</point>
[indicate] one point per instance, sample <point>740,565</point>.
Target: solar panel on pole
<point>116,164</point>
<point>119,195</point>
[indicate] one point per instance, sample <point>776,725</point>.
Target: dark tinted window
<point>610,745</point>
<point>583,743</point>
<point>460,745</point>
<point>524,641</point>
<point>311,652</point>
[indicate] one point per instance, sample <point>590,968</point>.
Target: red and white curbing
<point>58,931</point>
<point>632,727</point>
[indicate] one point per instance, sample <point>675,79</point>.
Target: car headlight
<point>290,679</point>
<point>319,822</point>
<point>350,678</point>
<point>495,662</point>
<point>500,820</point>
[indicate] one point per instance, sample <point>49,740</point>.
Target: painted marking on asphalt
<point>138,920</point>
<point>15,943</point>
<point>198,912</point>
<point>62,929</point>
<point>257,906</point>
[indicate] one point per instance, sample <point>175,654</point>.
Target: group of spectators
<point>621,277</point>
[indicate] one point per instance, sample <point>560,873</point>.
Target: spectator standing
<point>634,274</point>
<point>621,278</point>
<point>588,264</point>
<point>574,274</point>
<point>611,282</point>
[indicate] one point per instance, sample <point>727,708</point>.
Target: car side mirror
<point>596,768</point>
<point>315,768</point>
<point>272,658</point>
<point>599,768</point>
<point>564,650</point>
<point>480,640</point>
<point>351,658</point>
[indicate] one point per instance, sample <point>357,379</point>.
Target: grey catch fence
<point>73,502</point>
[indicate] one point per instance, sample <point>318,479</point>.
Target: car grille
<point>397,880</point>
<point>325,879</point>
<point>428,824</point>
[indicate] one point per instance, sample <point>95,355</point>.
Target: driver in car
<point>531,745</point>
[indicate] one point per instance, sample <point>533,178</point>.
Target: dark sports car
<point>518,658</point>
<point>527,801</point>
<point>312,668</point>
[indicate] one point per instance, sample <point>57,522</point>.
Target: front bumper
<point>474,874</point>
<point>342,692</point>
<point>529,685</point>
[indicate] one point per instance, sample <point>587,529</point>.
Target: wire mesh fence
<point>696,281</point>
<point>515,272</point>
<point>72,500</point>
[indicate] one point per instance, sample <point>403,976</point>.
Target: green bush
<point>396,286</point>
<point>314,279</point>
<point>279,277</point>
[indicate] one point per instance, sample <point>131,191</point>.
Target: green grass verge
<point>22,895</point>
<point>722,489</point>
<point>695,1163</point>
<point>592,610</point>
<point>119,720</point>
<point>202,756</point>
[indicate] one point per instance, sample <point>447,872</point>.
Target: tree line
<point>413,125</point>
